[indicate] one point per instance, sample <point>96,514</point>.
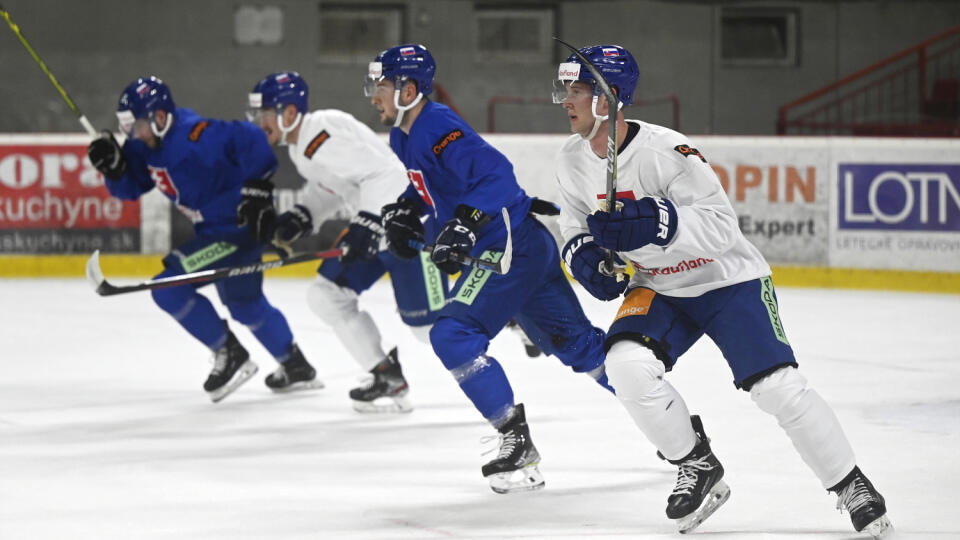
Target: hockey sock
<point>486,385</point>
<point>810,423</point>
<point>653,403</point>
<point>268,325</point>
<point>195,314</point>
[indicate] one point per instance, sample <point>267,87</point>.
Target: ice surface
<point>105,432</point>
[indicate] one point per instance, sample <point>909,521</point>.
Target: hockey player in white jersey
<point>695,274</point>
<point>348,171</point>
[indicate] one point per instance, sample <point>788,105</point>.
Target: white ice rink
<point>105,432</point>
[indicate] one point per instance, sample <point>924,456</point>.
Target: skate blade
<point>528,478</point>
<point>399,404</point>
<point>247,370</point>
<point>880,527</point>
<point>718,495</point>
<point>315,384</point>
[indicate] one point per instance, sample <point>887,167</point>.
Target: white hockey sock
<point>654,404</point>
<point>809,422</point>
<point>355,329</point>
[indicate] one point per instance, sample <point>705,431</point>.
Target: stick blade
<point>95,275</point>
<point>508,249</point>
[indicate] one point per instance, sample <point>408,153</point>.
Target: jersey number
<point>419,184</point>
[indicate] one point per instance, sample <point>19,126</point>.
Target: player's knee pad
<point>779,392</point>
<point>632,370</point>
<point>422,333</point>
<point>456,343</point>
<point>176,301</point>
<point>250,314</point>
<point>331,302</point>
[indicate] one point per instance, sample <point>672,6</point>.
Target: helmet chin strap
<point>403,108</point>
<point>285,130</point>
<point>597,119</point>
<point>161,132</point>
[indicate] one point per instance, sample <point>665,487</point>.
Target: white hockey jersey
<point>708,250</point>
<point>348,168</point>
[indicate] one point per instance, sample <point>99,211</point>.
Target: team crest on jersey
<point>197,130</point>
<point>315,144</point>
<point>420,184</point>
<point>445,141</point>
<point>161,178</point>
<point>688,151</point>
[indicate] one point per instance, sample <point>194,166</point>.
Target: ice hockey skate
<point>700,488</point>
<point>386,392</point>
<point>231,368</point>
<point>515,467</point>
<point>294,374</point>
<point>868,510</point>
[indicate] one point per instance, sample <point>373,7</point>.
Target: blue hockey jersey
<point>201,165</point>
<point>448,164</point>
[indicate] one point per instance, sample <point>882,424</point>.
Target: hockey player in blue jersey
<point>201,164</point>
<point>464,183</point>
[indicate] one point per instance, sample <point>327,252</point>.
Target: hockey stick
<point>500,267</point>
<point>105,288</point>
<point>63,93</point>
<point>612,110</point>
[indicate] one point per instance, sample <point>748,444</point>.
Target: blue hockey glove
<point>106,156</point>
<point>401,221</point>
<point>459,236</point>
<point>256,209</point>
<point>586,261</point>
<point>362,240</point>
<point>291,226</point>
<point>634,224</point>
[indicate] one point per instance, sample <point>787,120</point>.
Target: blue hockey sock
<point>268,325</point>
<point>486,385</point>
<point>195,314</point>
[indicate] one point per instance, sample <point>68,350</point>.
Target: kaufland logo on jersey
<point>909,197</point>
<point>407,51</point>
<point>610,52</point>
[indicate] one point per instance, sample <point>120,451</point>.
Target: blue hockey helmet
<point>403,63</point>
<point>278,90</point>
<point>615,63</point>
<point>140,100</point>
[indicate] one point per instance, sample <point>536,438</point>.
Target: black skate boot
<point>294,374</point>
<point>231,368</point>
<point>387,392</point>
<point>700,488</point>
<point>868,511</point>
<point>515,467</point>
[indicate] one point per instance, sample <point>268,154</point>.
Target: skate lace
<point>220,359</point>
<point>853,496</point>
<point>688,474</point>
<point>505,442</point>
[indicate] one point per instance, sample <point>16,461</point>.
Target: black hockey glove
<point>457,238</point>
<point>106,156</point>
<point>362,239</point>
<point>587,264</point>
<point>291,226</point>
<point>256,209</point>
<point>401,221</point>
<point>634,224</point>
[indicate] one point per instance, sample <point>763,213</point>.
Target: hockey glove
<point>458,237</point>
<point>106,156</point>
<point>256,209</point>
<point>401,221</point>
<point>587,261</point>
<point>634,224</point>
<point>291,226</point>
<point>362,239</point>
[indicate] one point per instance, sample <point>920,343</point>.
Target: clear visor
<point>256,114</point>
<point>571,90</point>
<point>137,128</point>
<point>377,87</point>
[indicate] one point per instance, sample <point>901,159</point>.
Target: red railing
<point>516,100</point>
<point>915,92</point>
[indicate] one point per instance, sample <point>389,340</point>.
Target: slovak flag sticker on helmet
<point>283,78</point>
<point>407,51</point>
<point>143,89</point>
<point>610,51</point>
